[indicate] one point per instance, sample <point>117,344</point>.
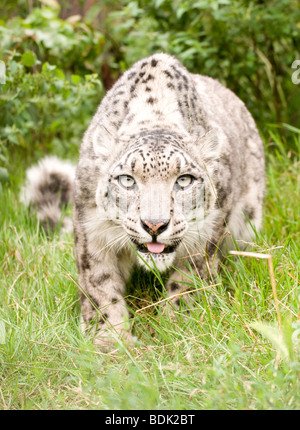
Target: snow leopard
<point>171,174</point>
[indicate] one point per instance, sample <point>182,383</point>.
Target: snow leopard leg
<point>102,286</point>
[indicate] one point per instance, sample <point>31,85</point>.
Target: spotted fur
<point>158,123</point>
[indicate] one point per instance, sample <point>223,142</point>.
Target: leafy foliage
<point>44,104</point>
<point>70,44</point>
<point>56,68</point>
<point>44,110</point>
<point>249,46</point>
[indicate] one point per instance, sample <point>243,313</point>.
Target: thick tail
<point>48,189</point>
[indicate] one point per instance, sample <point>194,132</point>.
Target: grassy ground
<point>227,354</point>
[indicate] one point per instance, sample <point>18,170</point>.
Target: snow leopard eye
<point>126,181</point>
<point>185,181</point>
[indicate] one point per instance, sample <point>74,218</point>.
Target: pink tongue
<point>155,247</point>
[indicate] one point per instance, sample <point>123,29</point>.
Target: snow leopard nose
<point>155,227</point>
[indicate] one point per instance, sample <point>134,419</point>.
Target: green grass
<point>217,357</point>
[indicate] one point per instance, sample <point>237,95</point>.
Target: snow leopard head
<point>158,197</point>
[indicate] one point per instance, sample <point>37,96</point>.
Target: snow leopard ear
<point>103,141</point>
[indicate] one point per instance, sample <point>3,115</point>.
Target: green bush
<point>49,95</point>
<point>44,110</point>
<point>248,45</point>
<point>56,68</point>
<point>70,44</point>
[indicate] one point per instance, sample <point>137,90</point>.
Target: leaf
<point>13,67</point>
<point>3,174</point>
<point>29,59</point>
<point>51,3</point>
<point>75,79</point>
<point>60,74</point>
<point>159,3</point>
<point>181,11</point>
<point>48,67</point>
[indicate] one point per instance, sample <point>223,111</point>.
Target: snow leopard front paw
<point>108,338</point>
<point>108,341</point>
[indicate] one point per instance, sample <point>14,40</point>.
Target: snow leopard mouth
<point>156,248</point>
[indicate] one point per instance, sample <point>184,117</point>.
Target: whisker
<point>110,243</point>
<point>112,227</point>
<point>202,236</point>
<point>201,242</point>
<point>208,239</point>
<point>124,243</point>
